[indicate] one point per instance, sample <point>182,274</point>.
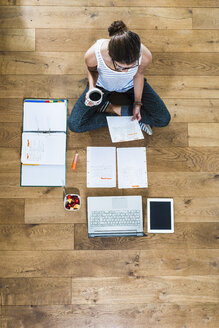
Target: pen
<point>74,162</point>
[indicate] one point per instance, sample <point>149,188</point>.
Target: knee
<point>74,126</point>
<point>166,119</point>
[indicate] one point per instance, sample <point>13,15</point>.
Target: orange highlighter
<point>74,162</point>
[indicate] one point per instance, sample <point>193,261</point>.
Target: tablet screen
<point>160,215</point>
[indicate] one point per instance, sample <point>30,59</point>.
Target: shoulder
<point>146,56</point>
<point>146,60</point>
<point>90,56</point>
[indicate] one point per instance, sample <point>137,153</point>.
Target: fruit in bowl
<point>72,202</point>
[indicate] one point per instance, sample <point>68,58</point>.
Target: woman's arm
<point>91,62</point>
<point>139,81</point>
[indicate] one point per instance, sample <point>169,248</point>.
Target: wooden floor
<point>51,274</point>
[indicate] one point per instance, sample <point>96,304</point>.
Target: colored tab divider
<point>42,101</point>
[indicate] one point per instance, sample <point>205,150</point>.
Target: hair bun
<point>117,27</point>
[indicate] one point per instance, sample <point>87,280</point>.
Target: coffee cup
<point>95,95</point>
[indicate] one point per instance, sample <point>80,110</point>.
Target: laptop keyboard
<point>115,218</point>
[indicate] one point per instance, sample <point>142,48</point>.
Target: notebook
<point>43,151</point>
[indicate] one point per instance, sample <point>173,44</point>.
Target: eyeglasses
<point>121,68</point>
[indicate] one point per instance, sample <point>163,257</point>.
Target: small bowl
<point>72,202</point>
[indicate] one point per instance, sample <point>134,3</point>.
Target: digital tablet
<point>160,215</point>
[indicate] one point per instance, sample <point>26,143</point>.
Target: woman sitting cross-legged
<point>118,65</point>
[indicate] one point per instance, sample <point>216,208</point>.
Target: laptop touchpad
<point>118,203</point>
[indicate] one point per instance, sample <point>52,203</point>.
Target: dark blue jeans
<point>153,111</point>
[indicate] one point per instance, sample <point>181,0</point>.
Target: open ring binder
<point>43,152</point>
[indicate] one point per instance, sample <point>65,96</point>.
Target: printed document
<point>101,167</point>
<point>132,167</point>
<point>43,148</point>
<point>122,128</point>
<point>44,116</point>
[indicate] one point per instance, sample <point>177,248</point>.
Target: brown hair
<point>124,46</point>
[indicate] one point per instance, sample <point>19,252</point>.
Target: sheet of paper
<point>41,116</point>
<point>101,167</point>
<point>122,128</point>
<point>43,148</point>
<point>132,167</point>
<point>43,175</point>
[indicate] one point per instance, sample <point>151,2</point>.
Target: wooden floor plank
<point>36,237</point>
<point>69,17</point>
<point>193,110</point>
<point>12,212</point>
<point>36,212</point>
<point>113,315</point>
<point>172,159</point>
<point>10,159</point>
<point>17,40</point>
<point>38,86</point>
<point>194,64</point>
<point>178,290</point>
<point>72,86</point>
<point>183,159</point>
<point>196,209</point>
<point>186,86</point>
<point>191,235</point>
<point>180,184</point>
<point>187,209</point>
<point>114,3</point>
<point>203,134</point>
<point>205,18</point>
<point>11,110</point>
<point>73,63</point>
<point>161,184</point>
<point>181,110</point>
<point>10,135</point>
<point>156,40</point>
<point>26,291</point>
<point>109,263</point>
<point>175,135</point>
<point>43,63</point>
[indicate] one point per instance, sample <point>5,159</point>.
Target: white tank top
<point>113,80</point>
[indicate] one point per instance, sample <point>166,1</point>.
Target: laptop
<point>115,216</point>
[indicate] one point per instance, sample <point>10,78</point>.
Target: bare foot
<point>115,109</point>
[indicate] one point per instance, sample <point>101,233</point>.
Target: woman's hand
<point>88,102</point>
<point>136,112</point>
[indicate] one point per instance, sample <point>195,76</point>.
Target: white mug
<point>95,95</point>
